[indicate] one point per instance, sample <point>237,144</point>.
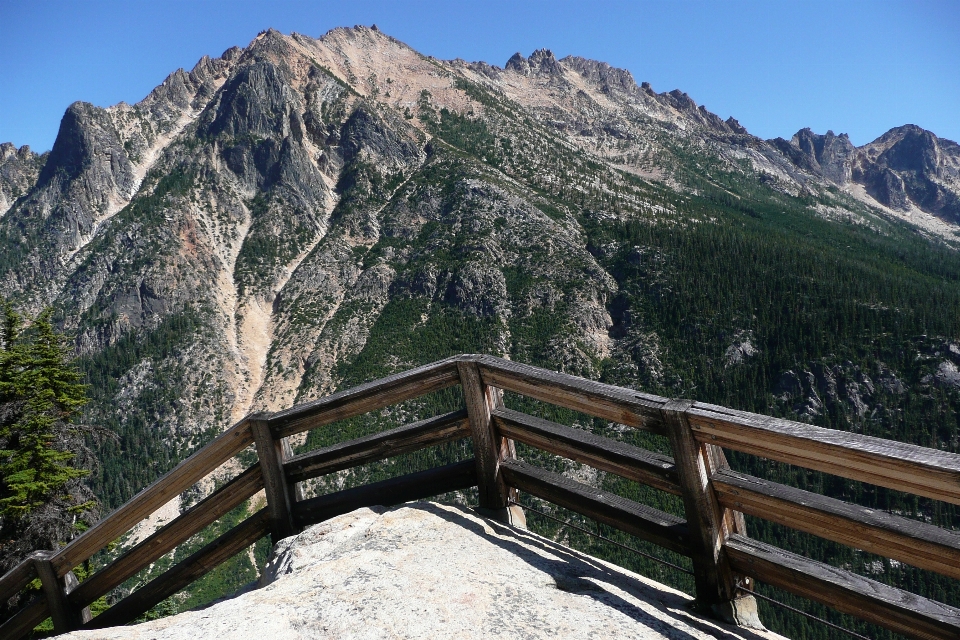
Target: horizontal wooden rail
<point>20,576</point>
<point>636,519</point>
<point>412,437</point>
<point>185,572</point>
<point>414,486</point>
<point>23,622</point>
<point>179,479</point>
<point>623,406</point>
<point>869,600</point>
<point>895,465</point>
<point>169,536</point>
<point>366,398</point>
<point>917,543</point>
<point>634,463</point>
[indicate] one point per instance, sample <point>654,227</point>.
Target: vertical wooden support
<point>65,616</point>
<point>280,496</point>
<point>286,450</point>
<point>710,524</point>
<point>489,448</point>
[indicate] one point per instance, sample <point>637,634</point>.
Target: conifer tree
<point>41,394</point>
<point>43,457</point>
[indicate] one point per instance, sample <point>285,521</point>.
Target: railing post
<point>65,616</point>
<point>489,447</point>
<point>272,453</point>
<point>710,524</point>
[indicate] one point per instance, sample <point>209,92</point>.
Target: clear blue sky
<point>854,66</point>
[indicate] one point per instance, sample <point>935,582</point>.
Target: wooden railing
<point>715,497</point>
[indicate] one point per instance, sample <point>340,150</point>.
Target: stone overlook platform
<point>426,570</point>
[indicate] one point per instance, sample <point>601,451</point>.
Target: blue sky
<point>854,66</point>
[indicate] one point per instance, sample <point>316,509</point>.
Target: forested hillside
<point>304,215</point>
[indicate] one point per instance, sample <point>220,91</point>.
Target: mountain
<point>306,214</point>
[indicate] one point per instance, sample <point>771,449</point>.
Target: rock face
<point>907,168</point>
<point>425,570</point>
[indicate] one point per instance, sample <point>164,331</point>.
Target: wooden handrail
<point>366,398</point>
<point>917,543</point>
<point>652,469</point>
<point>386,444</point>
<point>182,477</point>
<point>616,404</point>
<point>169,536</point>
<point>867,599</point>
<point>895,465</point>
<point>714,496</point>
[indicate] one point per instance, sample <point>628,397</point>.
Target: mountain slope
<point>305,214</point>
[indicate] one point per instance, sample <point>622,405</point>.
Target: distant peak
<point>541,62</point>
<point>517,63</point>
<point>542,55</point>
<point>735,125</point>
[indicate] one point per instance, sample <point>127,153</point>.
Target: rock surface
<point>426,570</point>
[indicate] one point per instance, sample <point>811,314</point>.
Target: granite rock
<point>425,570</point>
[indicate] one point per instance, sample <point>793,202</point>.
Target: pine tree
<point>41,394</point>
<point>43,456</point>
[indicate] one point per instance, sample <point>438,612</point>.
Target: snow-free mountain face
<point>305,214</point>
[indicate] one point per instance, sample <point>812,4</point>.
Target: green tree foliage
<point>40,393</point>
<point>43,456</point>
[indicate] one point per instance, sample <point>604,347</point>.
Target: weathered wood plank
<point>185,572</point>
<point>624,406</point>
<point>895,609</point>
<point>60,610</point>
<point>488,446</point>
<point>412,437</point>
<point>636,519</point>
<point>23,622</point>
<point>895,465</point>
<point>415,486</point>
<point>169,536</point>
<point>366,397</point>
<point>917,543</point>
<point>182,477</point>
<point>652,469</point>
<point>279,495</point>
<point>19,577</point>
<point>714,581</point>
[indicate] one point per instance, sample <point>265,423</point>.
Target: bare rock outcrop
<point>425,570</point>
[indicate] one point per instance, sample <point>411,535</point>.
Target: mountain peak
<point>541,62</point>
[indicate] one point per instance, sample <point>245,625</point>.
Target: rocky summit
<point>426,570</point>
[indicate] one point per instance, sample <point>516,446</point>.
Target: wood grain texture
<point>412,437</point>
<point>185,572</point>
<point>19,577</point>
<point>895,609</point>
<point>488,447</point>
<point>636,519</point>
<point>917,543</point>
<point>279,495</point>
<point>895,465</point>
<point>616,404</point>
<point>714,581</point>
<point>180,478</point>
<point>169,536</point>
<point>23,622</point>
<point>366,397</point>
<point>414,486</point>
<point>634,463</point>
<point>60,611</point>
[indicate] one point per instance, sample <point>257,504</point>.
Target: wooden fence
<point>714,496</point>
